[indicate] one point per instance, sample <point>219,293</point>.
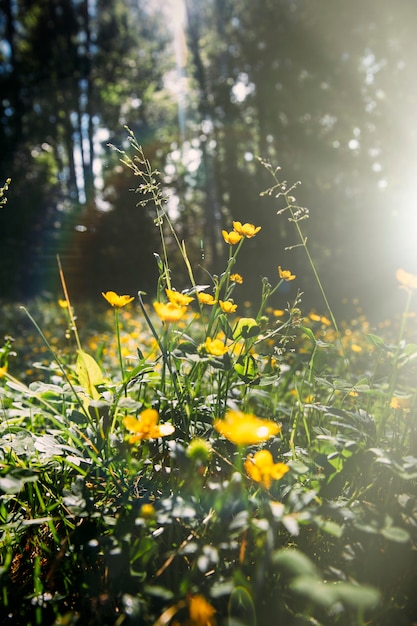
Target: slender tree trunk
<point>212,211</point>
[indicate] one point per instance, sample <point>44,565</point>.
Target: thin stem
<point>119,346</point>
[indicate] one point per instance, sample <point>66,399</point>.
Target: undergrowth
<point>196,465</point>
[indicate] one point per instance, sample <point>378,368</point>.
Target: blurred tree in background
<point>326,90</point>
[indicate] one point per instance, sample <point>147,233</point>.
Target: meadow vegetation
<point>192,461</point>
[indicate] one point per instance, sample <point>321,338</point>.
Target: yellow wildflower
<point>201,612</point>
<point>262,469</point>
<point>227,306</point>
<point>406,280</point>
<point>179,299</point>
<point>3,371</point>
<point>169,312</point>
<point>325,321</point>
<point>245,428</point>
<point>246,230</point>
<point>236,278</point>
<point>233,237</point>
<point>115,300</point>
<point>215,347</point>
<point>147,427</point>
<point>401,402</point>
<point>63,303</point>
<point>285,274</point>
<point>206,298</point>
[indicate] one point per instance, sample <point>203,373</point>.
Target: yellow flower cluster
<point>262,469</point>
<point>214,347</point>
<point>175,308</point>
<point>206,298</point>
<point>201,612</point>
<point>147,426</point>
<point>239,231</point>
<point>115,300</point>
<point>285,274</point>
<point>245,428</point>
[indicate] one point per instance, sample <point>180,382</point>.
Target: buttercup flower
<point>214,347</point>
<point>246,230</point>
<point>169,312</point>
<point>245,428</point>
<point>115,300</point>
<point>64,304</point>
<point>179,299</point>
<point>147,427</point>
<point>262,469</point>
<point>406,280</point>
<point>201,612</point>
<point>227,306</point>
<point>233,237</point>
<point>206,298</point>
<point>401,402</point>
<point>285,274</point>
<point>236,278</point>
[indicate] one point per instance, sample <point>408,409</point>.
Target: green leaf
<point>330,527</point>
<point>357,596</point>
<point>89,374</point>
<point>309,333</point>
<point>294,563</point>
<point>15,480</point>
<point>241,606</point>
<point>245,328</point>
<point>245,367</point>
<point>375,340</point>
<point>395,533</point>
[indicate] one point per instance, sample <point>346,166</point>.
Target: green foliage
<point>200,466</point>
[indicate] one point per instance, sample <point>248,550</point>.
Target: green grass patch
<point>184,462</point>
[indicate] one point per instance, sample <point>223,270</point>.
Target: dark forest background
<point>327,90</point>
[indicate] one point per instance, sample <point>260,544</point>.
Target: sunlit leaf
<point>241,606</point>
<point>89,374</point>
<point>294,563</point>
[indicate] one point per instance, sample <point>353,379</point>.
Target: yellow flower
<point>245,428</point>
<point>401,402</point>
<point>236,278</point>
<point>63,303</point>
<point>227,306</point>
<point>3,371</point>
<point>115,300</point>
<point>201,611</point>
<point>406,280</point>
<point>233,237</point>
<point>285,274</point>
<point>215,347</point>
<point>246,230</point>
<point>262,469</point>
<point>206,298</point>
<point>179,299</point>
<point>147,427</point>
<point>169,312</point>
